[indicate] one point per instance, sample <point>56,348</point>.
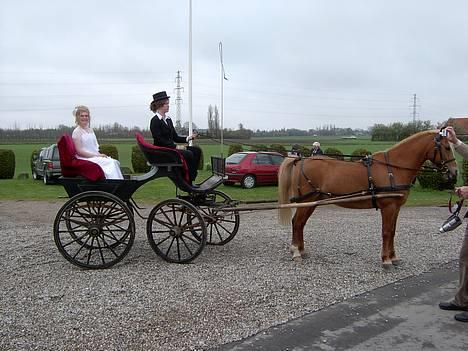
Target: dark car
<point>250,168</point>
<point>46,165</point>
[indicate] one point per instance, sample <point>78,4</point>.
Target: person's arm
<point>458,145</point>
<point>80,151</point>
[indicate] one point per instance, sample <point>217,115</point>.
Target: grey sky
<point>293,64</point>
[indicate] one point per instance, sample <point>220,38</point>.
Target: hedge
<point>359,154</point>
<point>233,148</point>
<point>7,164</point>
<point>334,152</point>
<point>429,178</point>
<point>139,163</point>
<point>109,150</point>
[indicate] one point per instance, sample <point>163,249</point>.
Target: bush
<point>429,178</point>
<point>34,155</point>
<point>334,152</point>
<point>109,150</point>
<point>233,148</point>
<point>305,152</point>
<point>139,164</point>
<point>465,172</point>
<point>359,154</point>
<point>278,148</point>
<point>259,147</point>
<point>7,164</point>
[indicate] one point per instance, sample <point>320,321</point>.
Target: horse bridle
<point>442,165</point>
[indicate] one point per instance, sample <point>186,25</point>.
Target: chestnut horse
<point>391,171</point>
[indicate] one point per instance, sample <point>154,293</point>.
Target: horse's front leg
<point>389,218</point>
<point>393,257</point>
<point>298,222</point>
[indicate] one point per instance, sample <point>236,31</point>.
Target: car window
<point>42,153</point>
<point>277,159</point>
<point>55,155</point>
<point>235,159</point>
<point>262,159</point>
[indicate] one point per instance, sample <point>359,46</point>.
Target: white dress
<point>110,167</point>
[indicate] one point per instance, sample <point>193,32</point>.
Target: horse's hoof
<point>397,262</point>
<point>297,259</point>
<point>388,267</point>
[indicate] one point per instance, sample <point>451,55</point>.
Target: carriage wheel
<point>176,231</point>
<point>94,230</point>
<point>221,226</point>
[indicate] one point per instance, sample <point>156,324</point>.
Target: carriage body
<point>95,228</point>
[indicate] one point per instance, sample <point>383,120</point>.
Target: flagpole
<point>222,97</point>
<point>190,71</point>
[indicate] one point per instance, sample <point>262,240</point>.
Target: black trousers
<point>192,155</point>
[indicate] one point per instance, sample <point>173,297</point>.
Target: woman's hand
<point>462,192</point>
<point>451,135</point>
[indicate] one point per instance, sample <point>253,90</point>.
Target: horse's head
<point>443,157</point>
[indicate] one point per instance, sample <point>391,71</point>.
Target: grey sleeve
<point>462,149</point>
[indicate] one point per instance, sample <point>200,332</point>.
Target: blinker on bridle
<point>442,165</point>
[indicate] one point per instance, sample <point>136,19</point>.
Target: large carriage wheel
<point>176,231</point>
<point>94,229</point>
<point>221,226</point>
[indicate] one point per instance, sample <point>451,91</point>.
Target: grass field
<point>160,189</point>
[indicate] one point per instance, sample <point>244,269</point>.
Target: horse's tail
<point>285,190</point>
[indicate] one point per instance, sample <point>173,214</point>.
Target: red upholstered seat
<point>72,166</point>
<point>159,155</point>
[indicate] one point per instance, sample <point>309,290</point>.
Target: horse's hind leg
<point>298,222</point>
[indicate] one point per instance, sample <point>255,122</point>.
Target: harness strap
<point>391,178</point>
<point>368,163</point>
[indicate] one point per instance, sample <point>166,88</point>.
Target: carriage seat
<point>72,166</point>
<point>162,156</point>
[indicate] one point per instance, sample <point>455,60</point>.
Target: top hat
<point>160,96</point>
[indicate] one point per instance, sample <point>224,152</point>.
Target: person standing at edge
<point>316,151</point>
<point>460,301</point>
<point>164,133</point>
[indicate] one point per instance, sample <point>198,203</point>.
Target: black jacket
<point>165,134</point>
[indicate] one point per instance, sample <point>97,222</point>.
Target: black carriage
<point>95,228</point>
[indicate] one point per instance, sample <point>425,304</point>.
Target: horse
<point>385,172</point>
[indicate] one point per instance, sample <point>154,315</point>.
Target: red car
<point>250,168</point>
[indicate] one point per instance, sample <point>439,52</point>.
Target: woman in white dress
<point>87,147</point>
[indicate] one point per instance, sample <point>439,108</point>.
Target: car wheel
<point>35,175</point>
<point>46,178</point>
<point>248,181</point>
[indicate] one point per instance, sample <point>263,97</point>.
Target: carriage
<point>95,228</point>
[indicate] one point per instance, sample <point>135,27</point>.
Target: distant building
<point>459,123</point>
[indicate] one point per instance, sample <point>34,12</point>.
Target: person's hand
<point>193,136</point>
<point>462,192</point>
<point>451,135</point>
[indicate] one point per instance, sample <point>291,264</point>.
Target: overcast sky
<point>294,64</point>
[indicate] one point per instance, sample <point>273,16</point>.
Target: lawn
<point>160,189</point>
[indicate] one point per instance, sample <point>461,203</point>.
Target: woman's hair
<point>77,111</point>
<point>155,105</point>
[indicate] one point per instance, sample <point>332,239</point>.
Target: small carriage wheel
<point>176,231</point>
<point>221,226</point>
<point>248,181</point>
<point>94,230</point>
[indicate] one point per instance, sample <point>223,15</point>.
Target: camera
<point>443,132</point>
<point>451,223</point>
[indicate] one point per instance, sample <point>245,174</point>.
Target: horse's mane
<point>410,139</point>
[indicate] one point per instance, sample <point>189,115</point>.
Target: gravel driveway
<point>227,293</point>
